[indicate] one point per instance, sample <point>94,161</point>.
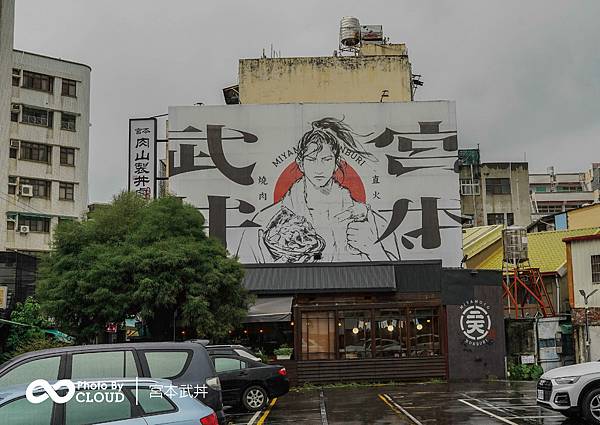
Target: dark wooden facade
<point>437,350</point>
<point>366,370</point>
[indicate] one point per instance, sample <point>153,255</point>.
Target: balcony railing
<point>35,120</point>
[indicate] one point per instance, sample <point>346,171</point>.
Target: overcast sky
<point>525,74</point>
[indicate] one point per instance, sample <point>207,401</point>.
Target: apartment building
<point>44,143</point>
<point>592,179</point>
<point>558,192</point>
<point>7,11</point>
<point>494,192</point>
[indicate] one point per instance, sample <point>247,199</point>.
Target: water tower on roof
<point>349,34</point>
<point>514,239</point>
<point>353,35</point>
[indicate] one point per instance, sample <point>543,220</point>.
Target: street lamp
<point>587,323</point>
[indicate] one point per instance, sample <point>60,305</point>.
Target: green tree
<point>150,258</point>
<point>29,335</point>
<point>27,313</point>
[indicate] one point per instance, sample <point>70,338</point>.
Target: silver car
<point>573,391</point>
<point>116,401</point>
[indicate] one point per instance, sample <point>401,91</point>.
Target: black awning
<point>310,278</point>
<point>270,309</point>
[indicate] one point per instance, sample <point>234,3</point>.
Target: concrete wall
<point>328,79</point>
<point>517,202</point>
<point>55,137</point>
<point>7,11</point>
<point>579,341</point>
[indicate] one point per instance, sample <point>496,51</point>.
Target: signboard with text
<point>142,157</point>
<point>296,183</point>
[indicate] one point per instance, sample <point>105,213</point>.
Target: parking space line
<point>262,419</point>
<point>500,418</point>
<point>253,418</point>
<point>536,417</point>
<point>504,409</point>
<point>396,408</point>
<point>501,398</point>
<point>511,407</point>
<point>322,409</point>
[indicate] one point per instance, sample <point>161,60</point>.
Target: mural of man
<point>319,218</point>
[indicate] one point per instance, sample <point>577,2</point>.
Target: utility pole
<point>587,323</point>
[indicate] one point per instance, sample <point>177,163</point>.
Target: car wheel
<point>591,407</point>
<point>255,398</point>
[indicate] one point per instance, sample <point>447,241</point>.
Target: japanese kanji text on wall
<point>142,157</point>
<point>322,182</point>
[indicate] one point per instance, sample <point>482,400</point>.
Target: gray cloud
<point>525,75</point>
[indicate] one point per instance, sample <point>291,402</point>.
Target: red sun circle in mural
<point>345,175</point>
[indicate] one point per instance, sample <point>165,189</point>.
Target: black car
<point>247,382</point>
<point>182,363</point>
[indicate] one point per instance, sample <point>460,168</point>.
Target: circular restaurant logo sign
<point>475,322</point>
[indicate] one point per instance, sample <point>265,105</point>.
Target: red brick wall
<point>578,316</point>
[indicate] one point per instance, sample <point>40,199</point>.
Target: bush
<point>524,372</point>
<point>284,350</point>
<point>263,357</point>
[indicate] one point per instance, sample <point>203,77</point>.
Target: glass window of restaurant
<point>390,333</point>
<point>394,332</point>
<point>354,334</point>
<point>318,335</point>
<point>424,331</point>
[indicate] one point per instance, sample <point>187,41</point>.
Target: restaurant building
<point>346,217</point>
<point>380,321</point>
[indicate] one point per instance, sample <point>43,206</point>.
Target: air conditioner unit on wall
<point>26,190</point>
<point>24,229</point>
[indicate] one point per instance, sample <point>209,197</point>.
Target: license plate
<point>540,394</point>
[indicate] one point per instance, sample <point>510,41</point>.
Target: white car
<point>573,391</point>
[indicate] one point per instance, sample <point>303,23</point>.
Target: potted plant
<point>283,353</point>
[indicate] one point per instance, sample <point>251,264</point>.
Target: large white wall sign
<point>322,182</point>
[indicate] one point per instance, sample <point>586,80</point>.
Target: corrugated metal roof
<point>546,250</point>
<point>476,239</point>
<point>277,279</point>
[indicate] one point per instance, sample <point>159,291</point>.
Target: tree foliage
<point>28,338</point>
<point>27,313</point>
<point>138,257</point>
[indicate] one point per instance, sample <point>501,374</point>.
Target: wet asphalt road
<point>411,404</point>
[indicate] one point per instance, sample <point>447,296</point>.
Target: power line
<point>23,205</point>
